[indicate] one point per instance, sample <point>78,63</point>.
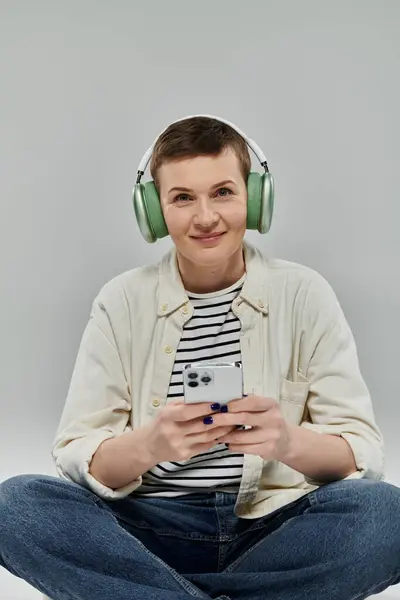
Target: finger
<point>208,435</point>
<point>257,449</point>
<point>251,403</point>
<point>251,436</point>
<point>240,418</point>
<point>211,422</point>
<point>179,411</point>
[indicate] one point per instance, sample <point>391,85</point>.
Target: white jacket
<point>296,347</point>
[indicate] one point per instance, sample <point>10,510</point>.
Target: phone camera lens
<point>192,375</point>
<point>206,379</point>
<point>193,383</point>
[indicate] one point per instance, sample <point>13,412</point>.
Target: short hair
<point>198,136</point>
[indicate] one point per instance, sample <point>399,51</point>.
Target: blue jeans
<point>341,541</point>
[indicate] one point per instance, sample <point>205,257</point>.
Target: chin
<point>209,255</point>
<point>209,258</point>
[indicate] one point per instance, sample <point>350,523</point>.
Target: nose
<point>205,215</point>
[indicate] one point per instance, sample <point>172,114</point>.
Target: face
<point>204,201</point>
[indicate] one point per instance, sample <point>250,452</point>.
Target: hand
<point>178,431</point>
<point>269,436</point>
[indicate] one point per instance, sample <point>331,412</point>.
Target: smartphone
<point>212,382</point>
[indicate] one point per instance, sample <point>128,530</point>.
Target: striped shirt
<point>212,333</point>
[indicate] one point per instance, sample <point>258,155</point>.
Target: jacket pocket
<point>293,398</point>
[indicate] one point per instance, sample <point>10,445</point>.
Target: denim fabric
<point>341,541</point>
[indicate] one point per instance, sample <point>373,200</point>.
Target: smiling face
<point>204,201</point>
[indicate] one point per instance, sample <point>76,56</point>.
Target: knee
<point>377,498</point>
<point>20,493</point>
<point>18,486</point>
<point>21,506</point>
<point>12,488</point>
<point>377,507</point>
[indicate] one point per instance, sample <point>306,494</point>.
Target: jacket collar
<point>172,294</point>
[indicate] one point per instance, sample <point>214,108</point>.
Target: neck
<point>203,279</point>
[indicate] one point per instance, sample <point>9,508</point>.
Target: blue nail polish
<point>208,420</point>
<point>224,408</point>
<point>215,406</point>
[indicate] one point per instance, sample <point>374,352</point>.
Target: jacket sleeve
<point>97,407</point>
<point>339,402</point>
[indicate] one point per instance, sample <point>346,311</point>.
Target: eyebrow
<point>216,185</point>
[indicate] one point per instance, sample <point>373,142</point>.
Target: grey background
<point>85,88</point>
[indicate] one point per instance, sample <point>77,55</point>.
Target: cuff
<point>73,460</point>
<point>368,455</point>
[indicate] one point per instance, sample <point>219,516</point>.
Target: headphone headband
<point>251,143</point>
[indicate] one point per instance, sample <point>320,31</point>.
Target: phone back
<point>212,382</point>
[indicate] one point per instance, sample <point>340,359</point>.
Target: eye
<point>226,191</point>
<point>181,198</point>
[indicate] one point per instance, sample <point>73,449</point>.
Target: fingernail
<point>208,420</point>
<point>215,406</point>
<point>224,408</point>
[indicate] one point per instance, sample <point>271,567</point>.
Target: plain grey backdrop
<point>85,88</point>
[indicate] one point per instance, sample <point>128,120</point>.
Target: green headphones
<point>260,195</point>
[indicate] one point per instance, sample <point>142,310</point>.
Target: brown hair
<point>198,136</point>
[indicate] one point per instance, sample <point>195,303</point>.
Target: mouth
<point>209,237</point>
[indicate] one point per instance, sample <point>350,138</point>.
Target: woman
<point>161,499</point>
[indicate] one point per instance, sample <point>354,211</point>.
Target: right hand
<point>178,432</point>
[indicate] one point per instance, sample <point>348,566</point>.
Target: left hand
<point>269,436</point>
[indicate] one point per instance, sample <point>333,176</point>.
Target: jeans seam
<point>184,583</point>
<point>188,587</point>
<point>220,546</point>
<point>249,550</point>
<point>168,533</point>
<point>241,558</point>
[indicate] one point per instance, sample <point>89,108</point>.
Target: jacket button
<point>164,307</point>
<point>156,403</point>
<point>261,304</point>
<point>168,350</point>
<point>185,310</point>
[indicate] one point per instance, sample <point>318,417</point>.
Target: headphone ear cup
<point>149,215</point>
<point>260,201</point>
<point>154,210</point>
<point>253,200</point>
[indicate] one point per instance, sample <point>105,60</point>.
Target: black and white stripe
<point>213,333</point>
